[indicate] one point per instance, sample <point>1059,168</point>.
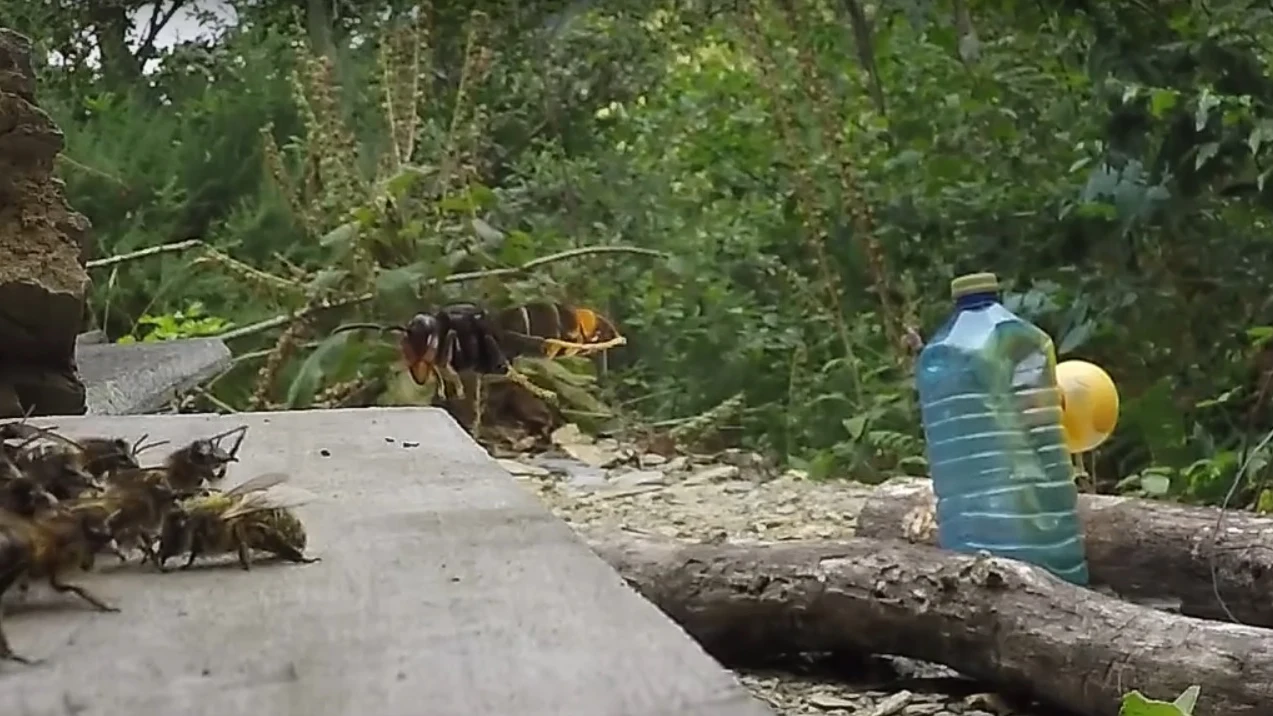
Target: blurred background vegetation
<point>813,174</point>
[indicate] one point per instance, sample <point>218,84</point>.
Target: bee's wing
<point>260,482</point>
<point>275,499</point>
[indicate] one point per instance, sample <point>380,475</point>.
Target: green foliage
<point>1135,704</point>
<point>193,322</point>
<point>814,192</point>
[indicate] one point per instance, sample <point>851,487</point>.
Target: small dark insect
<point>46,546</point>
<point>202,461</point>
<point>464,336</point>
<point>58,466</point>
<point>248,517</point>
<point>106,456</point>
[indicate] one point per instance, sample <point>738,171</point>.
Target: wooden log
<point>1139,549</point>
<point>996,620</point>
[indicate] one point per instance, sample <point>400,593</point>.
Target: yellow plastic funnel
<point>1089,404</point>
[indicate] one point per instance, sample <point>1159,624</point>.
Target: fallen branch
<point>502,272</point>
<point>1140,549</point>
<point>995,620</point>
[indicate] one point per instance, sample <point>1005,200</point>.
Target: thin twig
<point>217,402</point>
<point>503,272</point>
<point>144,253</point>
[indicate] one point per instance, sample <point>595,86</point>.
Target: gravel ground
<point>732,496</point>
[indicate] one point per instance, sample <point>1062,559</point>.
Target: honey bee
<point>202,461</point>
<point>133,507</point>
<point>45,546</point>
<point>248,517</point>
<point>59,467</point>
<point>104,457</point>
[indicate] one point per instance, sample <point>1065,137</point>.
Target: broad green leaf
<point>1162,101</point>
<point>1076,337</point>
<point>327,279</point>
<point>342,235</point>
<point>1155,484</point>
<point>399,184</point>
<point>486,232</point>
<point>300,393</point>
<point>401,285</point>
<point>1187,700</point>
<point>1206,102</point>
<point>1205,153</point>
<point>856,426</point>
<point>1135,704</point>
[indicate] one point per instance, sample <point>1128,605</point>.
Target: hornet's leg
<point>498,364</point>
<point>448,379</point>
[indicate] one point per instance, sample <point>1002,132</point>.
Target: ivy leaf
<point>1162,101</point>
<point>341,236</point>
<point>1206,153</point>
<point>1206,103</point>
<point>855,425</point>
<point>1135,704</point>
<point>1076,337</point>
<point>326,280</point>
<point>1155,484</point>
<point>401,285</point>
<point>486,232</point>
<point>300,393</point>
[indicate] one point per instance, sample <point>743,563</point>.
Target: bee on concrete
<point>248,517</point>
<point>59,465</point>
<point>45,546</point>
<point>133,507</point>
<point>202,461</point>
<point>104,457</point>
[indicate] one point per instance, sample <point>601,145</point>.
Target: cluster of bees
<point>63,502</point>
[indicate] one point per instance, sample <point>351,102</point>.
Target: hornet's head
<point>420,342</point>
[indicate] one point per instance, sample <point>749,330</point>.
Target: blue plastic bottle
<point>992,421</point>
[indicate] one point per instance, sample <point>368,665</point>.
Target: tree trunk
<point>996,620</point>
<point>1140,549</point>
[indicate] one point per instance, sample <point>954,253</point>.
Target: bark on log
<point>1139,549</point>
<point>995,620</point>
<point>42,245</point>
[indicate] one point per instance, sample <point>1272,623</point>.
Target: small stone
<point>929,709</point>
<point>651,459</point>
<point>831,701</point>
<point>719,473</point>
<point>986,704</point>
<point>638,478</point>
<point>891,705</point>
<point>518,468</point>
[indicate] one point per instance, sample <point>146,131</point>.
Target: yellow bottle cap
<point>974,283</point>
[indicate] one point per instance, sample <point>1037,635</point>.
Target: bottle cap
<point>974,283</point>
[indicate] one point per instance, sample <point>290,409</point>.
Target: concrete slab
<point>445,589</point>
<point>143,377</point>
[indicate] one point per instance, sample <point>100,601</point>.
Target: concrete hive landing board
<point>444,589</point>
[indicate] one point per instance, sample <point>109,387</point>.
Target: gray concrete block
<point>445,589</point>
<point>143,377</point>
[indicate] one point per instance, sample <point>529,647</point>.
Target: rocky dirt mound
<point>42,276</point>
